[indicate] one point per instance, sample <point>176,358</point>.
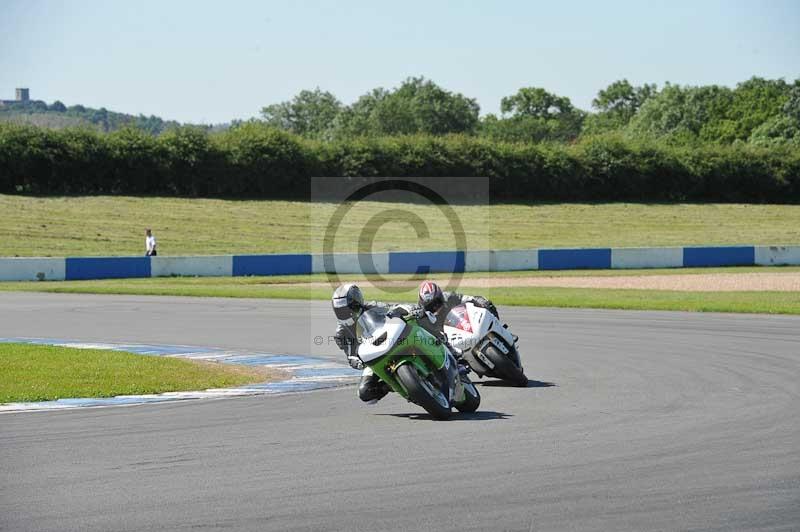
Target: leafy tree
<point>536,102</point>
<point>517,129</point>
<point>782,129</point>
<point>360,118</point>
<point>684,114</point>
<point>310,113</point>
<point>423,107</point>
<point>535,115</point>
<point>711,113</point>
<point>417,106</point>
<point>622,98</point>
<point>791,108</point>
<point>58,107</point>
<point>616,105</point>
<point>755,102</point>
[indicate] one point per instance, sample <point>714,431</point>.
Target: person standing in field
<point>150,244</point>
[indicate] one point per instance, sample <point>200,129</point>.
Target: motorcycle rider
<point>439,303</point>
<point>432,299</point>
<point>348,304</point>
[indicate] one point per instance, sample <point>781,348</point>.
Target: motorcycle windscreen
<point>371,322</point>
<point>377,334</point>
<point>458,318</point>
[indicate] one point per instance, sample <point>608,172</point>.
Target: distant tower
<point>23,95</point>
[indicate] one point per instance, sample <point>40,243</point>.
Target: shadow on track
<point>504,384</point>
<point>457,416</point>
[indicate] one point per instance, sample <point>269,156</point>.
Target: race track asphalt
<point>635,421</point>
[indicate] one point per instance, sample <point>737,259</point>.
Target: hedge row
<point>255,161</point>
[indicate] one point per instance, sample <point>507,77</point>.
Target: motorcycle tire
<point>505,369</point>
<point>421,394</point>
<point>472,398</point>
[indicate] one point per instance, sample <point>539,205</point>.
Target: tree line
<point>758,111</point>
<point>640,143</point>
<point>764,112</point>
<point>58,116</point>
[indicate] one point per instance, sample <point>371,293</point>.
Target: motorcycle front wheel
<point>423,393</point>
<point>472,399</point>
<point>504,368</point>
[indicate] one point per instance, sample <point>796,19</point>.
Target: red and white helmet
<point>431,297</point>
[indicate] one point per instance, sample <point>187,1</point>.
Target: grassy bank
<point>45,373</point>
<point>110,225</point>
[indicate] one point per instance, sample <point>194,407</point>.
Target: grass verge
<point>46,373</point>
<point>114,225</point>
<point>298,287</point>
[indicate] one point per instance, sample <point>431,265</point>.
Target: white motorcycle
<point>485,343</point>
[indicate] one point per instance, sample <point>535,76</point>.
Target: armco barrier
<point>30,269</point>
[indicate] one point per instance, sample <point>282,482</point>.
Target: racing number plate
<point>484,359</point>
<point>499,345</point>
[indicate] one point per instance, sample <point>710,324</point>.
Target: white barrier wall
<point>478,261</point>
<point>351,263</point>
<point>515,259</point>
<point>210,266</point>
<point>32,269</point>
<point>777,255</point>
<point>647,258</point>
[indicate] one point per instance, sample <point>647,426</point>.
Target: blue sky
<point>212,62</point>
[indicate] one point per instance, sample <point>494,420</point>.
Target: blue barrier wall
<point>426,262</point>
<point>81,268</point>
<point>701,257</point>
<point>574,259</point>
<point>271,264</point>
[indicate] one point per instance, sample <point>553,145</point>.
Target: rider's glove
<point>355,362</point>
<point>404,312</point>
<point>417,312</point>
<point>481,301</point>
<point>341,343</point>
<point>396,312</point>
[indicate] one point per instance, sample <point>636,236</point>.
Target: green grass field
<point>105,225</point>
<point>45,373</point>
<point>298,287</point>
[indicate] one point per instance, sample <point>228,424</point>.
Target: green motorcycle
<point>414,363</point>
